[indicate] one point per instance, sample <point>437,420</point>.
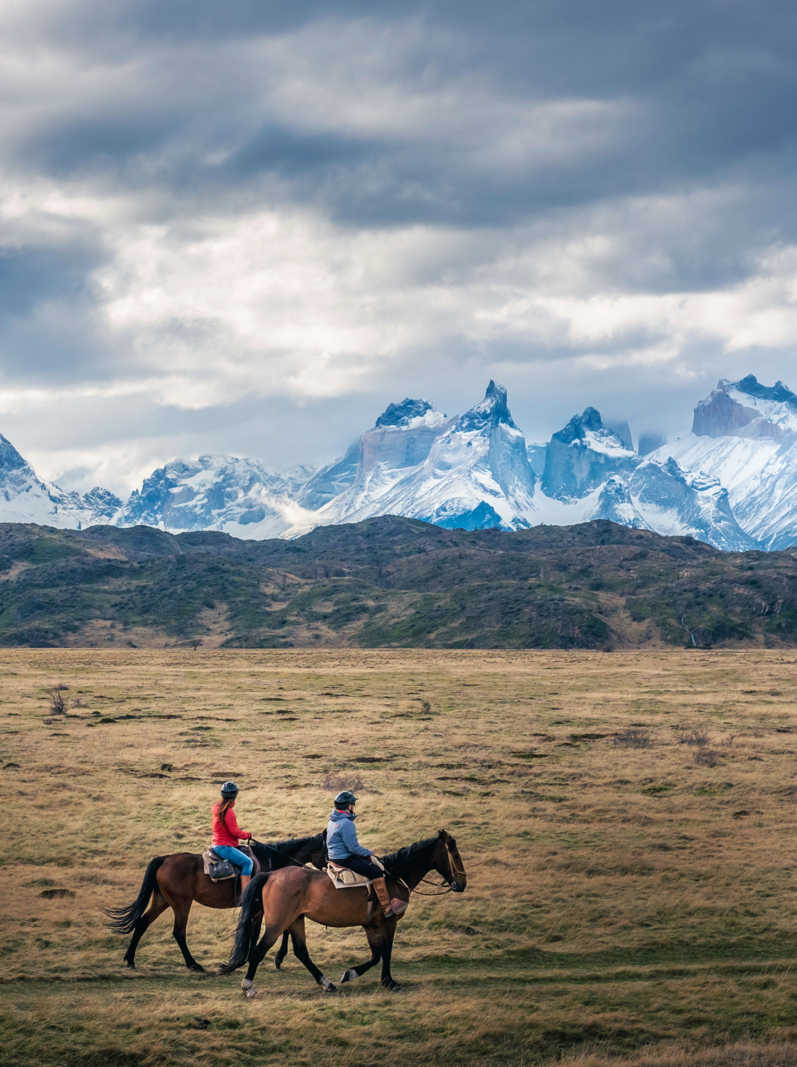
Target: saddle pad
<point>343,878</point>
<point>217,869</point>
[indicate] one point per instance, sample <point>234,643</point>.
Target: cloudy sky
<point>245,226</point>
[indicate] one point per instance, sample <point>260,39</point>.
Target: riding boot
<point>245,880</point>
<point>380,888</point>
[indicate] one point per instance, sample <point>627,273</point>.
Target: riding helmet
<point>344,798</point>
<point>229,790</point>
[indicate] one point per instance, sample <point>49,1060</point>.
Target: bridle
<point>447,884</point>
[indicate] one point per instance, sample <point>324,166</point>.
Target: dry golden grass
<point>626,904</point>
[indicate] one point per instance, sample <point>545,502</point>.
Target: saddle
<point>343,878</point>
<point>219,870</point>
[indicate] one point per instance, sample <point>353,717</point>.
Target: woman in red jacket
<point>227,833</point>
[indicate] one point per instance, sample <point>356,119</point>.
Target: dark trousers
<point>362,865</point>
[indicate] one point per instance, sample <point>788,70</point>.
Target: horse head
<point>448,862</point>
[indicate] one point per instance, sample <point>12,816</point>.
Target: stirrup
<point>380,891</point>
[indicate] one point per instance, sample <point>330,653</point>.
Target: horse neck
<point>308,848</point>
<point>272,856</point>
<point>417,866</point>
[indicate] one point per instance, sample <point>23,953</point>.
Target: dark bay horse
<point>286,897</point>
<point>178,880</point>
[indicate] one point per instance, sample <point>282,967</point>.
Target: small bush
<point>336,783</point>
<point>57,700</point>
<point>707,757</point>
<point>634,737</point>
<point>694,737</point>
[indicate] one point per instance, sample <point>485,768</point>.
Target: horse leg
<point>256,957</point>
<point>299,939</point>
<point>181,910</point>
<point>283,949</point>
<point>387,950</point>
<point>280,918</point>
<point>374,940</point>
<point>157,907</point>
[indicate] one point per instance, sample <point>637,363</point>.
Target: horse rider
<point>344,849</point>
<point>227,833</point>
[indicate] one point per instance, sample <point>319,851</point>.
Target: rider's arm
<point>349,835</point>
<point>234,828</point>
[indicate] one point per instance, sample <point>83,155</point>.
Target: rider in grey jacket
<point>344,849</point>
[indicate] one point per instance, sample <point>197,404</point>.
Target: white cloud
<point>286,217</point>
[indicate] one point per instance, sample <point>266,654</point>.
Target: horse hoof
<point>326,985</point>
<point>248,987</point>
<point>130,965</point>
<point>349,976</point>
<point>197,968</point>
<point>395,988</point>
<point>277,963</point>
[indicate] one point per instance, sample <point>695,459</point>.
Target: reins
<point>442,887</point>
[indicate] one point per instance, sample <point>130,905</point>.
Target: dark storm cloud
<point>583,152</point>
<point>700,89</point>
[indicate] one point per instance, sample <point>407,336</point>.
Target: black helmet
<point>229,790</point>
<point>344,798</point>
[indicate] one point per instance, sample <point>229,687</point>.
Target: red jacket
<point>227,832</point>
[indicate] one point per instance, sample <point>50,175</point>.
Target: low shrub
<point>694,737</point>
<point>634,737</point>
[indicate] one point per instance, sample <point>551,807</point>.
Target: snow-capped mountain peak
<point>471,471</point>
<point>488,412</point>
<point>409,414</point>
<point>747,409</point>
<point>236,496</point>
<point>10,459</point>
<point>588,430</point>
<point>732,482</point>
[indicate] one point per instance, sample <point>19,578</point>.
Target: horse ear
<point>442,833</point>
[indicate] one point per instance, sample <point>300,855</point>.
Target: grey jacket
<point>342,837</point>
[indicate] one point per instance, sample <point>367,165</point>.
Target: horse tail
<point>251,905</point>
<point>123,920</point>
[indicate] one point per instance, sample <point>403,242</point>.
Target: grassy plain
<point>630,897</point>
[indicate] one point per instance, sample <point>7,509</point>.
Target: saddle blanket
<point>343,878</point>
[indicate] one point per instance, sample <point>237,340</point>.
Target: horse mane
<point>290,844</point>
<point>400,863</point>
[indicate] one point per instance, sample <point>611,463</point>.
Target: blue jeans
<point>234,855</point>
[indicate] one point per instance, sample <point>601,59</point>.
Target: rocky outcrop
<point>747,409</point>
<point>616,505</point>
<point>676,501</point>
<point>650,441</point>
<point>331,480</point>
<point>582,456</point>
<point>102,503</point>
<point>621,429</point>
<point>402,437</point>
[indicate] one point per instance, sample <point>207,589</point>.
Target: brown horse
<point>178,880</point>
<point>286,897</point>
